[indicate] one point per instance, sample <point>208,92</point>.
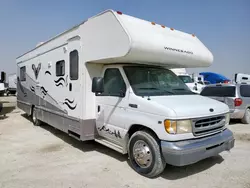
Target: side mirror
<point>97,85</point>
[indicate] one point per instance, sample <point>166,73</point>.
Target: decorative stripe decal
<point>69,103</point>
<point>32,88</point>
<point>70,107</point>
<point>60,79</point>
<point>59,84</point>
<point>47,72</point>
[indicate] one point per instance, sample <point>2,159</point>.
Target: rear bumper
<point>191,151</point>
<point>238,114</point>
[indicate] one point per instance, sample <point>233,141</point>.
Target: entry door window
<point>114,84</point>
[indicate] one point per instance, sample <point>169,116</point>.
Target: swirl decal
<point>59,84</point>
<point>60,79</point>
<point>32,88</point>
<point>47,72</point>
<point>69,104</point>
<point>44,91</point>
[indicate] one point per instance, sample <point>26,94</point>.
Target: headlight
<point>178,127</point>
<point>227,117</point>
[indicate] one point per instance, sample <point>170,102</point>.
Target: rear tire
<point>246,118</point>
<point>34,119</point>
<point>145,154</point>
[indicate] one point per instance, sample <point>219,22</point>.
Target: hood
<point>190,106</point>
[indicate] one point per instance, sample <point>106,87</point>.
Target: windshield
<point>155,81</point>
<point>186,79</point>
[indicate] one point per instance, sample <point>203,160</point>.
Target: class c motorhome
<point>107,79</point>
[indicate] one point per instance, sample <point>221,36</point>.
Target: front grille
<point>208,125</point>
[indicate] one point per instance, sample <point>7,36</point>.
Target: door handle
<point>133,105</point>
<point>98,108</point>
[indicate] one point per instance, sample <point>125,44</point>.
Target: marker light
<point>153,23</point>
<point>119,12</point>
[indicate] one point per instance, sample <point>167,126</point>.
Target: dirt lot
<point>44,157</point>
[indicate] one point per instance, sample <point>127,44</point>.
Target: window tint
<point>228,91</point>
<point>73,59</point>
<point>245,90</point>
<point>23,73</point>
<point>60,68</point>
<point>114,84</point>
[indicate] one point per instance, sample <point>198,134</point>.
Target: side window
<point>23,73</point>
<point>114,84</point>
<point>60,68</point>
<point>245,90</point>
<point>73,61</point>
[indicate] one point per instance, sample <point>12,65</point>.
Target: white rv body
<point>55,82</point>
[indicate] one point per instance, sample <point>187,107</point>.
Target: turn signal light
<point>237,102</point>
<point>170,126</point>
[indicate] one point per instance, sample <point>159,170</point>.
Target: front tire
<point>34,119</point>
<point>246,118</point>
<point>145,154</point>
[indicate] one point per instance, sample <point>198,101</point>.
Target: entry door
<point>73,77</point>
<point>111,106</point>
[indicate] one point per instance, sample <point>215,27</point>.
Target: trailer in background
<point>242,78</point>
<point>2,83</point>
<point>12,81</point>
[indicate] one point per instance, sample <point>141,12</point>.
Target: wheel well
<point>137,127</point>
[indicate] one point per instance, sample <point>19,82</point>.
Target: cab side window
<point>114,84</point>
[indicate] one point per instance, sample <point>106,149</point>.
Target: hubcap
<point>248,111</point>
<point>142,154</point>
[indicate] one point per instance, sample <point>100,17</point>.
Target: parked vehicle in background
<point>107,79</point>
<point>242,78</point>
<point>12,81</point>
<point>236,96</point>
<point>2,83</point>
<point>214,78</point>
<point>188,80</point>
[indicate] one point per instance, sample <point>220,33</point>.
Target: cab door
<point>111,106</point>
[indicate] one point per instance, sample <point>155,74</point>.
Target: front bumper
<point>191,151</point>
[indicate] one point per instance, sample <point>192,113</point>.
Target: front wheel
<point>246,118</point>
<point>145,154</point>
<point>35,121</point>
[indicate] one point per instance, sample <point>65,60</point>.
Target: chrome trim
<point>208,129</point>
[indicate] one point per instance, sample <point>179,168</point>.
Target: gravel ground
<point>45,157</point>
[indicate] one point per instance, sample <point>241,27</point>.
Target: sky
<point>222,25</point>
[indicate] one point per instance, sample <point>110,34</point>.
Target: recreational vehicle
<point>242,78</point>
<point>192,84</point>
<point>107,79</point>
